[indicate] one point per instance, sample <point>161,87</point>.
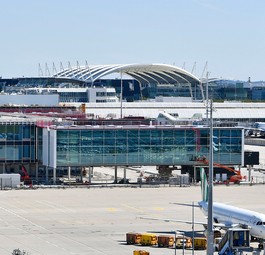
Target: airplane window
<point>263,223</point>
<point>259,223</point>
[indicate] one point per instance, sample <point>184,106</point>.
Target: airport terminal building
<point>139,90</point>
<point>139,82</point>
<point>139,145</point>
<point>52,146</point>
<point>49,151</point>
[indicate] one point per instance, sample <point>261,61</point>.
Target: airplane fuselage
<point>231,215</point>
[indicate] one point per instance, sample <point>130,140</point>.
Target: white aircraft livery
<point>227,216</point>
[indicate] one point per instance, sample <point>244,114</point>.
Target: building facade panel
<point>99,146</point>
<point>17,142</point>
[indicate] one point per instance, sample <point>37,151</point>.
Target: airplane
<point>227,216</point>
<point>258,129</point>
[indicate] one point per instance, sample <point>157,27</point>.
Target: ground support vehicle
<point>200,243</point>
<point>140,252</point>
<point>236,178</point>
<point>234,240</point>
<point>183,241</point>
<point>149,239</point>
<point>165,241</point>
<point>25,176</point>
<point>133,238</point>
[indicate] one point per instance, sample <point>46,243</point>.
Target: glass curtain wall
<point>17,142</point>
<point>146,146</point>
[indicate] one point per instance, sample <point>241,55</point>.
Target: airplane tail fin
<point>204,185</point>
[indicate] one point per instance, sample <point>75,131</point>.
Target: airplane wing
<point>215,224</point>
<point>185,204</point>
<point>175,220</point>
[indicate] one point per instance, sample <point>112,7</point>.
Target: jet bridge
<point>234,240</point>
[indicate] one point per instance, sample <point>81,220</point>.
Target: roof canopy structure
<point>143,73</point>
<point>149,73</point>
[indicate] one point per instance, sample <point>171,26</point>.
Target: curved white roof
<point>144,73</point>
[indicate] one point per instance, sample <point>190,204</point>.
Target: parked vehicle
<point>140,252</point>
<point>200,243</point>
<point>236,178</point>
<point>149,239</point>
<point>24,176</point>
<point>124,181</point>
<point>165,241</point>
<point>133,238</point>
<point>183,241</point>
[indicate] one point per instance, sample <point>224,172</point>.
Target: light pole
<point>175,242</point>
<point>121,94</point>
<point>207,99</point>
<point>183,238</point>
<point>192,228</point>
<point>183,243</point>
<point>210,237</point>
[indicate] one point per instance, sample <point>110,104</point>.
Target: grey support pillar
<point>69,173</point>
<point>81,174</point>
<point>194,175</point>
<point>37,171</point>
<point>46,174</point>
<point>115,174</point>
<point>124,175</point>
<point>90,173</point>
<point>54,175</point>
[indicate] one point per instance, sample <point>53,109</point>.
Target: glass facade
<point>219,89</point>
<point>233,90</point>
<point>17,142</point>
<point>73,96</point>
<point>178,90</point>
<point>154,145</point>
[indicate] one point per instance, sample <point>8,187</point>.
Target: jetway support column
<point>194,175</point>
<point>115,174</point>
<point>69,173</point>
<point>124,175</point>
<point>90,170</point>
<point>37,171</point>
<point>54,175</point>
<point>46,174</point>
<point>82,174</point>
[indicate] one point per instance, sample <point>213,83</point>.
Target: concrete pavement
<point>95,220</point>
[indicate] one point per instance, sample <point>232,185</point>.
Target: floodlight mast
<point>210,233</point>
<point>207,99</point>
<point>121,95</point>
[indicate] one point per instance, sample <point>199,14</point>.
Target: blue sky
<point>227,34</point>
